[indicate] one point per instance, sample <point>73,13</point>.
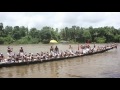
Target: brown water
<point>103,65</point>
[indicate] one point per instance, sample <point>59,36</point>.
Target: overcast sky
<point>60,19</point>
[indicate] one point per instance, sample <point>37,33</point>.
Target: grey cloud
<point>60,19</point>
<point>94,17</point>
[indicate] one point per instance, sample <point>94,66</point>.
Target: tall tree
<point>1,29</point>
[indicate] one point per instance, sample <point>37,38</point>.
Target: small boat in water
<point>34,61</point>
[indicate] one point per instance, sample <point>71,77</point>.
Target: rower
<point>56,50</point>
<point>78,51</point>
<point>41,55</point>
<point>1,57</point>
<point>38,56</point>
<point>29,57</point>
<point>98,48</point>
<point>51,49</point>
<point>115,45</point>
<point>21,51</point>
<point>44,55</point>
<point>17,58</point>
<point>81,49</point>
<point>9,51</point>
<point>25,57</point>
<point>65,54</point>
<point>47,55</point>
<point>62,54</point>
<point>9,59</point>
<point>94,46</point>
<point>70,49</point>
<point>50,55</point>
<point>32,57</point>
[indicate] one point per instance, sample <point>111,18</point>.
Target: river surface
<point>103,65</point>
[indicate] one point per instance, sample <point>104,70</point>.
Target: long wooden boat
<point>49,60</point>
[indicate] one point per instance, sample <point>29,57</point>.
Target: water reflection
<point>38,67</point>
<point>10,74</point>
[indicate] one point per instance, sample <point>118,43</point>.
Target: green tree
<point>45,34</point>
<point>100,39</point>
<point>8,30</point>
<point>1,40</point>
<point>86,35</point>
<point>1,29</point>
<point>16,35</point>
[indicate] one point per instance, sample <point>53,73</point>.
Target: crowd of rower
<point>54,53</point>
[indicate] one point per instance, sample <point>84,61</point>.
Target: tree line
<point>75,34</point>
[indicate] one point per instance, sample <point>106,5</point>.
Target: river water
<point>103,65</point>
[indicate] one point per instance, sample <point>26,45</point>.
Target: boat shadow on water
<point>111,74</point>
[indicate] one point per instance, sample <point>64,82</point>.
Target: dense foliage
<point>21,34</point>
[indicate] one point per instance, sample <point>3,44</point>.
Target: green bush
<point>34,41</point>
<point>45,41</point>
<point>8,40</point>
<point>22,40</point>
<point>100,39</point>
<point>27,40</point>
<point>1,40</point>
<point>72,41</point>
